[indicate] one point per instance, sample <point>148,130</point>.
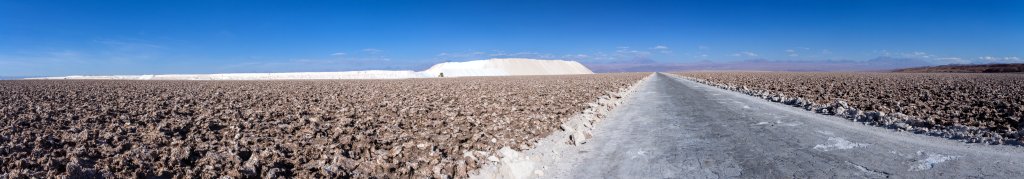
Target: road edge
<point>576,130</point>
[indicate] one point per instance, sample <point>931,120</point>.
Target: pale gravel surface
<point>674,128</point>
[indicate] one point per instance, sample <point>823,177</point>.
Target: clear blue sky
<point>156,37</point>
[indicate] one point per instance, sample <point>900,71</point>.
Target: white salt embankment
<point>491,67</point>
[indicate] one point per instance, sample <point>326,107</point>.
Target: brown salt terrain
<point>986,108</point>
<point>267,129</point>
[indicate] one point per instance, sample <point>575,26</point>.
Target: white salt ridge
<point>838,144</point>
<point>491,67</point>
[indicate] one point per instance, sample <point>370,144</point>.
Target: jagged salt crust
<point>896,121</point>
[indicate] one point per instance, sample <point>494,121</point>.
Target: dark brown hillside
<point>987,68</point>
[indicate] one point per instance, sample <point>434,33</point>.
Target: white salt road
<point>674,128</point>
<point>491,67</point>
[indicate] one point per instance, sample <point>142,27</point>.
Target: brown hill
<point>987,68</point>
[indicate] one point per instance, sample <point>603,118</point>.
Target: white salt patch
<point>929,161</point>
<point>639,153</point>
<point>791,124</point>
<point>836,143</point>
<point>512,165</point>
<point>826,133</point>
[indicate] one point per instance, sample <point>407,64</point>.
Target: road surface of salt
<point>673,128</point>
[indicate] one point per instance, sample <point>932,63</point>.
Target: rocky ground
<point>440,128</point>
<point>986,108</point>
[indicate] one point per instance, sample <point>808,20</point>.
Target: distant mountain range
<point>876,64</point>
<point>984,68</point>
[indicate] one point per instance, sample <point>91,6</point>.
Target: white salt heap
<point>491,67</point>
<point>508,67</point>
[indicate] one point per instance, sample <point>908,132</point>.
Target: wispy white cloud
<point>58,57</point>
<point>478,55</point>
<point>662,49</point>
<point>792,53</point>
<point>579,56</point>
<point>626,51</point>
<point>919,55</point>
<point>991,59</point>
<point>913,54</point>
<point>372,50</point>
<point>950,60</point>
<point>808,53</point>
<point>64,56</point>
<point>128,44</point>
<point>745,54</point>
<point>32,63</point>
<point>701,53</point>
<point>365,59</point>
<point>944,59</point>
<point>928,57</point>
<point>620,54</point>
<point>102,56</point>
<point>128,51</point>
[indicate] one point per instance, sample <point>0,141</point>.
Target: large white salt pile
<point>508,67</point>
<point>491,67</point>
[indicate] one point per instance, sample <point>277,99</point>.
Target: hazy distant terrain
<point>986,68</point>
<point>875,64</point>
